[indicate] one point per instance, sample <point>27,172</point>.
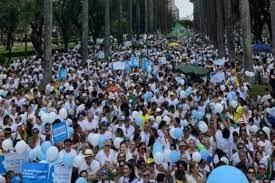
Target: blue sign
<point>60,132</point>
<point>35,172</point>
<point>134,62</point>
<point>2,168</point>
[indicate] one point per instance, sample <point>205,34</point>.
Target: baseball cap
<point>149,161</point>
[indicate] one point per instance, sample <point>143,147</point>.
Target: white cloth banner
<point>217,77</point>
<point>62,174</point>
<point>13,161</point>
<point>119,65</point>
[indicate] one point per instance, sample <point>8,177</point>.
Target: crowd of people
<point>138,110</point>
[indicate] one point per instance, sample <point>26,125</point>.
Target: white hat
<point>2,179</point>
<point>88,152</point>
<point>261,144</point>
<point>225,160</point>
<point>158,110</point>
<point>166,119</point>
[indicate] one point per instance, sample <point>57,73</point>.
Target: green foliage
<point>258,90</point>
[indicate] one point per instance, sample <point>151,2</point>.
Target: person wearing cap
<point>91,165</point>
<point>184,154</point>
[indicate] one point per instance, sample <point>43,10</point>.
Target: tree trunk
<point>66,43</point>
<point>220,28</point>
<point>246,37</point>
<point>229,28</point>
<point>198,16</point>
<point>36,37</point>
<point>120,33</point>
<point>107,28</point>
<point>213,22</point>
<point>26,44</point>
<point>138,16</point>
<point>151,16</point>
<point>47,34</point>
<point>146,15</point>
<point>130,20</point>
<point>85,30</point>
<point>165,7</point>
<point>272,7</point>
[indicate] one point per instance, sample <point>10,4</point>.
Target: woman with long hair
<point>129,175</point>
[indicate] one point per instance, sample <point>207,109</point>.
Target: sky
<point>185,8</point>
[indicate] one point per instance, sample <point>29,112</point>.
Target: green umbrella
<point>190,68</point>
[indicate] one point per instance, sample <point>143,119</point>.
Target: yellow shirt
<point>239,113</point>
<point>145,118</point>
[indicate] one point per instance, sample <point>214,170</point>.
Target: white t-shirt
<point>87,125</point>
<point>102,157</point>
<point>63,152</point>
<point>92,168</point>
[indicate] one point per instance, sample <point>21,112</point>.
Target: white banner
<point>62,174</point>
<point>119,65</point>
<point>13,161</point>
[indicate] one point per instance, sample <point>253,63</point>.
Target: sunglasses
<point>107,145</point>
<point>68,144</point>
<point>146,175</point>
<point>251,172</point>
<point>121,157</point>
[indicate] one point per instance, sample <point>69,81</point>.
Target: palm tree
<point>220,28</point>
<point>47,33</point>
<point>272,7</point>
<point>246,36</point>
<point>85,30</point>
<point>107,28</point>
<point>130,16</point>
<point>229,28</point>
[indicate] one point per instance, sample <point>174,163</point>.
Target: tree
<point>9,20</point>
<point>130,16</point>
<point>272,8</point>
<point>246,36</point>
<point>138,17</point>
<point>120,33</point>
<point>229,28</point>
<point>220,28</point>
<point>66,14</point>
<point>84,30</point>
<point>146,15</point>
<point>151,16</point>
<point>107,28</point>
<point>47,35</point>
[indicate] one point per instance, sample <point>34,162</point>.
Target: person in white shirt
<point>106,156</point>
<point>91,165</point>
<point>89,123</point>
<point>67,150</point>
<point>128,130</point>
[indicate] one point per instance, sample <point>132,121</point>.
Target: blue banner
<point>2,168</point>
<point>60,132</point>
<point>134,62</point>
<point>35,172</point>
